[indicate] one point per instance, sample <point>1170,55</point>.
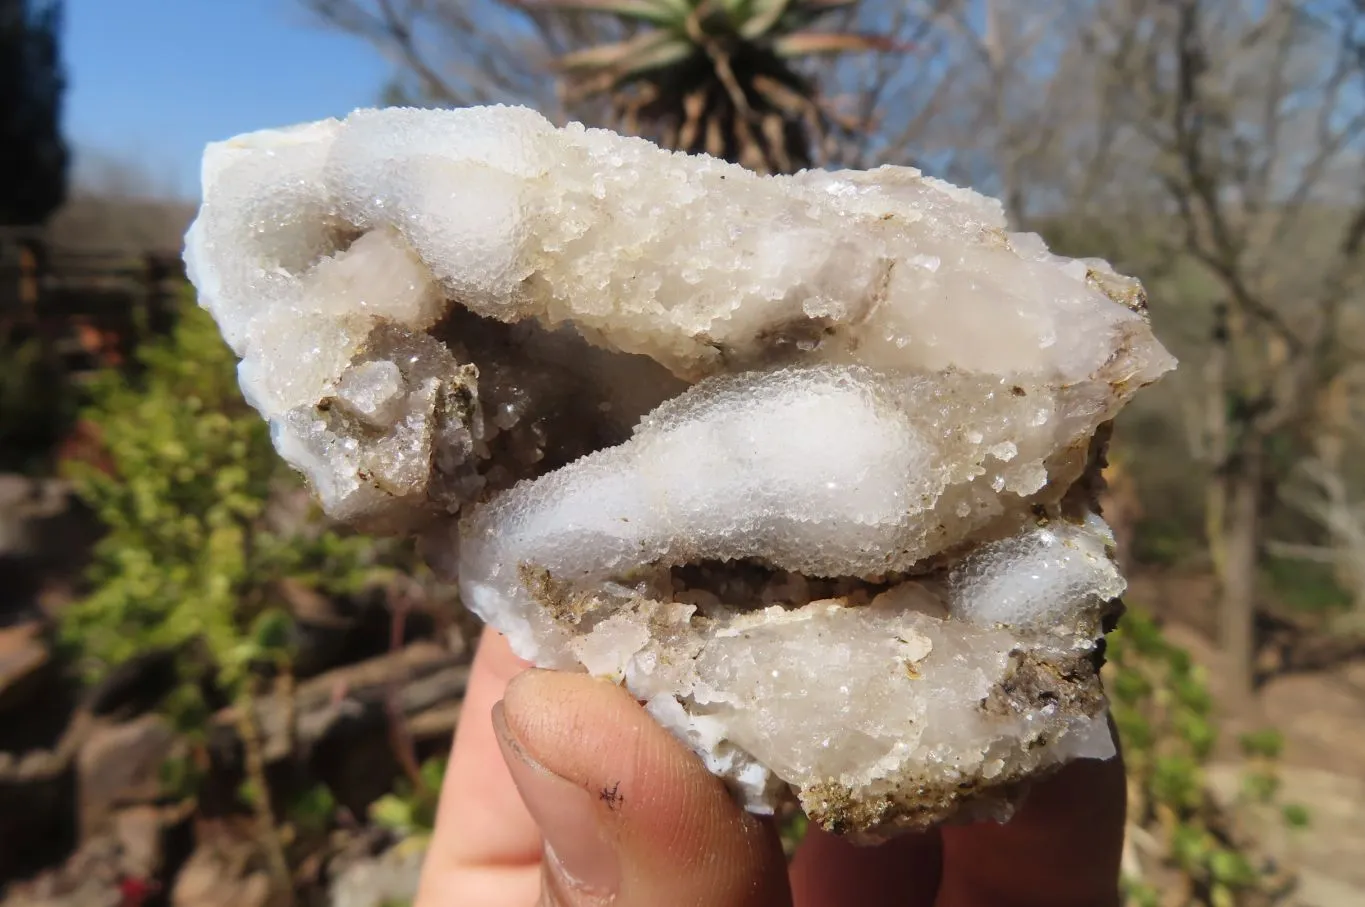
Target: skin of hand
<point>561,791</point>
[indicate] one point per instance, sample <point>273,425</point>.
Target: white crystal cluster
<point>806,462</point>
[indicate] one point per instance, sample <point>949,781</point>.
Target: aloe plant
<point>714,76</point>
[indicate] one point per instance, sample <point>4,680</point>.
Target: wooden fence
<point>89,308</point>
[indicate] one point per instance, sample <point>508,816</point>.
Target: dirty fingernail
<point>576,844</point>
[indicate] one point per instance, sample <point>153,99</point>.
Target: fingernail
<point>576,845</point>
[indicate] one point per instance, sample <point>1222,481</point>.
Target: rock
<point>139,831</point>
<point>85,891</point>
<point>24,664</point>
<point>222,874</point>
<point>23,502</point>
<point>686,280</point>
<point>135,686</point>
<point>807,463</point>
<point>122,867</point>
<point>45,539</point>
<point>351,701</point>
<point>390,878</point>
<point>37,802</point>
<point>120,765</point>
<point>127,865</point>
<point>343,720</point>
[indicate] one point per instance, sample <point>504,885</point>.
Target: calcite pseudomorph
<point>808,462</point>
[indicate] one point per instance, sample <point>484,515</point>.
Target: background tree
<point>33,156</point>
<point>117,203</point>
<point>1254,114</point>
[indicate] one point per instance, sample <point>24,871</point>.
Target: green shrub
<point>1305,586</point>
<point>312,810</point>
<point>1161,705</point>
<point>1296,815</point>
<point>1265,742</point>
<point>1164,542</point>
<point>188,563</point>
<point>410,811</point>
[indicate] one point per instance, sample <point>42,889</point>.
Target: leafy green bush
<point>1296,815</point>
<point>312,810</point>
<point>1161,705</point>
<point>1305,586</point>
<point>410,811</point>
<point>1164,542</point>
<point>188,562</point>
<point>1267,743</point>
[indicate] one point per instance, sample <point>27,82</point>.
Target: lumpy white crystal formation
<point>807,462</point>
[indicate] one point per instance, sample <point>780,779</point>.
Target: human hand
<point>561,790</point>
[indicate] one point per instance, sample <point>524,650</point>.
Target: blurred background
<point>208,696</point>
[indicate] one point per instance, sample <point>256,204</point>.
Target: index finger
<point>485,850</point>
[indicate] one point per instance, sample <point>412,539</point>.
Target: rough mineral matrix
<point>808,463</point>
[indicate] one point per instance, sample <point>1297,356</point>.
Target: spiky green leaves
<point>713,76</point>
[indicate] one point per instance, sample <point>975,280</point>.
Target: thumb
<point>628,815</point>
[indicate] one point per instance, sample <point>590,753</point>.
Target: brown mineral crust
<point>1084,494</point>
<point>917,806</point>
<point>557,598</point>
<point>1069,684</point>
<point>1123,290</point>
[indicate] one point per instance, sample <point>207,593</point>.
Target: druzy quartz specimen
<point>808,463</point>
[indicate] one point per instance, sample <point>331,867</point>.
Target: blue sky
<point>154,80</point>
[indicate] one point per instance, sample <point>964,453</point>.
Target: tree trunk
<point>1214,446</point>
<point>1237,566</point>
